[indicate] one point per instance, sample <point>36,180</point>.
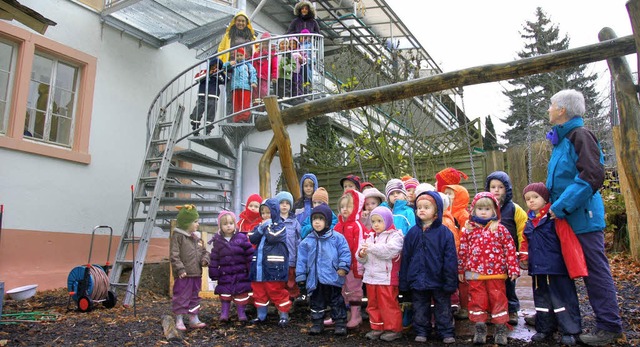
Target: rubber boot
<point>262,315</point>
<point>180,323</point>
<point>224,310</point>
<point>407,315</point>
<point>284,319</point>
<point>355,318</point>
<point>194,322</point>
<point>341,327</point>
<point>480,337</point>
<point>317,327</point>
<point>500,337</point>
<point>242,316</point>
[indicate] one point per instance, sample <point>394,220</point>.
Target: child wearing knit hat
<point>350,182</point>
<point>302,207</point>
<point>403,216</point>
<point>244,79</point>
<point>410,185</point>
<point>320,197</point>
<point>250,217</point>
<point>231,256</point>
<point>448,176</point>
<point>188,255</point>
<point>541,254</point>
<point>372,199</point>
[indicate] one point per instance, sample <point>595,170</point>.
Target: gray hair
<point>572,101</point>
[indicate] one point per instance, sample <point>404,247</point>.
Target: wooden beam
<point>633,8</point>
<point>454,79</point>
<point>264,168</point>
<point>629,112</point>
<point>26,16</point>
<point>283,143</point>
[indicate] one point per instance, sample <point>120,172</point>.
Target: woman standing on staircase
<point>238,33</point>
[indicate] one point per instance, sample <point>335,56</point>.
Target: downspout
<point>237,181</point>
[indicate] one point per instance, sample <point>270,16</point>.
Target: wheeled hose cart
<point>89,284</point>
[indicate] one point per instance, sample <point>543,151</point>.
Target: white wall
<point>41,193</point>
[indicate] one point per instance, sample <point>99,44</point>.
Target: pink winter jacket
<point>382,261</point>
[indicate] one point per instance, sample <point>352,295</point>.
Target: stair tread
<point>218,143</point>
<point>187,173</point>
<point>200,158</point>
<point>177,187</point>
<point>183,201</point>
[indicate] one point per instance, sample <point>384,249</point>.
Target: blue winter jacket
<point>321,256</point>
<point>404,216</point>
<point>209,85</point>
<point>244,75</point>
<point>575,173</point>
<point>293,238</point>
<point>271,258</point>
<point>545,255</point>
<point>429,259</point>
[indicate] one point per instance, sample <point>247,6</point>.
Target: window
<point>46,96</point>
<point>51,101</point>
<point>7,67</point>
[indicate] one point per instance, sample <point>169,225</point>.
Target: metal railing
<point>289,66</point>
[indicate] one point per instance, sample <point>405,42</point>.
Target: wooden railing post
<point>264,169</point>
<point>281,137</point>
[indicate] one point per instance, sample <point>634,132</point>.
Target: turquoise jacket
<point>575,173</point>
<point>403,216</point>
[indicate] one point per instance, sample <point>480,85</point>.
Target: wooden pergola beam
<point>475,75</point>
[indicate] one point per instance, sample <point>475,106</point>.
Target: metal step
<point>213,201</point>
<point>221,145</point>
<point>188,188</point>
<point>198,175</point>
<point>201,159</point>
<point>173,214</point>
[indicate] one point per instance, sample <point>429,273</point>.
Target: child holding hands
<point>428,270</point>
<point>554,292</point>
<point>380,255</point>
<point>486,259</point>
<point>319,255</point>
<point>231,256</point>
<point>188,255</point>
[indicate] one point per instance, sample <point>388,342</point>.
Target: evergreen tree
<point>530,95</point>
<point>490,138</point>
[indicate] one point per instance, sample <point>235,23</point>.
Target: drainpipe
<point>237,181</point>
<point>242,5</point>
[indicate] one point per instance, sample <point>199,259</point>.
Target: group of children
<point>416,243</point>
<point>251,76</point>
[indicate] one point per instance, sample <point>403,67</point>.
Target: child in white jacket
<point>380,255</point>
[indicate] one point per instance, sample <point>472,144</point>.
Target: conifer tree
<point>530,95</point>
<point>490,138</point>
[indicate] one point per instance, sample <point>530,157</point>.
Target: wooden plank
<point>264,168</point>
<point>454,79</point>
<point>541,152</point>
<point>633,8</point>
<point>633,216</point>
<point>517,171</point>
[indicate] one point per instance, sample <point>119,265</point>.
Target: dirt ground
<point>120,327</point>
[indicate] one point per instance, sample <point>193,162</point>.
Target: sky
<point>459,34</point>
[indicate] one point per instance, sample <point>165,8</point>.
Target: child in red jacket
<point>349,225</point>
<point>486,258</point>
<point>250,217</point>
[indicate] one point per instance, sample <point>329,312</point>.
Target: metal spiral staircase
<point>180,168</point>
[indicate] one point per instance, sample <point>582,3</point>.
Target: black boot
<point>341,327</point>
<point>480,337</point>
<point>317,327</point>
<point>500,337</point>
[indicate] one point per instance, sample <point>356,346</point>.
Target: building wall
<point>51,204</point>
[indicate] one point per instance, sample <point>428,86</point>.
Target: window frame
<point>27,44</point>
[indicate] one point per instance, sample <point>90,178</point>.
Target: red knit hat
<point>254,197</point>
<point>539,188</point>
<point>240,51</point>
<point>449,176</point>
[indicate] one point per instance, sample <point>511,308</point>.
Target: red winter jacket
<point>353,230</point>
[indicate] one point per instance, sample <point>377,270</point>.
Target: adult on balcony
<point>305,19</point>
<point>238,33</point>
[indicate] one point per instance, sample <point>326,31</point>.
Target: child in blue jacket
<point>403,216</point>
<point>323,262</point>
<point>243,80</point>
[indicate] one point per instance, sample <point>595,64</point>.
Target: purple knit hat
<point>386,214</point>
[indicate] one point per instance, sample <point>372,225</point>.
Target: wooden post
<point>454,79</point>
<point>629,111</point>
<point>264,169</point>
<point>283,143</point>
<point>633,216</point>
<point>633,8</point>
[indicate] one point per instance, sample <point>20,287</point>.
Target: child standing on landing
<point>265,62</point>
<point>269,266</point>
<point>250,217</point>
<point>243,80</point>
<point>188,256</point>
<point>486,259</point>
<point>380,255</point>
<point>323,262</point>
<point>428,270</point>
<point>230,263</point>
<point>350,207</point>
<point>208,93</point>
<point>554,292</point>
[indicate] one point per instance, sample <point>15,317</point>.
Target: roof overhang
<point>13,10</point>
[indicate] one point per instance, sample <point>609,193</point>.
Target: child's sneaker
<point>374,334</point>
<point>420,339</point>
<point>284,319</point>
<point>390,336</point>
<point>449,340</point>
